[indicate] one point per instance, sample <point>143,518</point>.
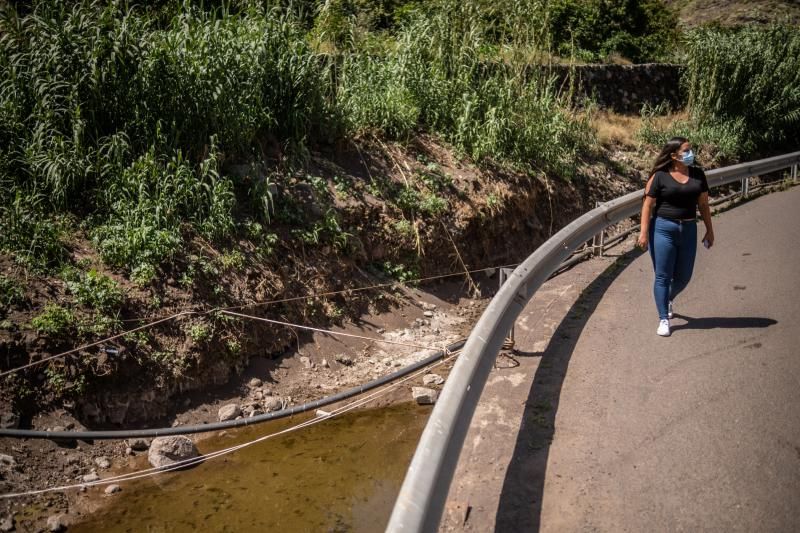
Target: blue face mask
<point>688,158</point>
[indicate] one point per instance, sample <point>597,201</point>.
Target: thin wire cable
<point>221,309</point>
<point>93,344</point>
<point>334,293</point>
<point>328,332</point>
<point>130,476</point>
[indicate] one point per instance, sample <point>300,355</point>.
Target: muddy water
<point>340,475</point>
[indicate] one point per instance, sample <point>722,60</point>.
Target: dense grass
<point>746,82</point>
<point>123,115</point>
<point>120,118</point>
<point>445,75</point>
<point>640,31</point>
<point>743,94</point>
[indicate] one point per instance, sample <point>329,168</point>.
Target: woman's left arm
<point>705,212</point>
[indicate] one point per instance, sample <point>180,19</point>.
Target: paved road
<point>606,427</point>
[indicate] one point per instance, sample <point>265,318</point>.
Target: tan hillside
<point>736,12</point>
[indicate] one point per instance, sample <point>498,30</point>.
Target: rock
<point>255,412</point>
<point>112,489</point>
<point>325,364</point>
<point>273,403</point>
<point>346,360</point>
<point>428,307</point>
<point>254,383</point>
<point>128,451</point>
<point>7,462</point>
<point>7,523</point>
<point>432,379</point>
<point>56,522</point>
<point>9,420</point>
<point>424,396</point>
<point>229,412</point>
<point>306,362</point>
<point>166,451</point>
<point>387,361</point>
<point>258,395</point>
<point>91,478</point>
<point>428,314</point>
<point>139,445</point>
<point>102,462</point>
<point>380,331</point>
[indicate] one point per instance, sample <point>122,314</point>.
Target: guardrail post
<point>602,243</point>
<point>504,273</point>
<point>598,241</point>
<point>745,187</point>
<point>794,172</point>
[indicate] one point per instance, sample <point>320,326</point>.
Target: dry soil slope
<point>736,12</point>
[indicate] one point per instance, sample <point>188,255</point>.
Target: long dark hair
<point>664,159</point>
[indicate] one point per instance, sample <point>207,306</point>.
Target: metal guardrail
<point>423,494</point>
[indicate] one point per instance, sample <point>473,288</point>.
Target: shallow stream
<point>339,475</point>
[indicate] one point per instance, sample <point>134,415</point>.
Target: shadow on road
<point>714,322</point>
<point>520,503</point>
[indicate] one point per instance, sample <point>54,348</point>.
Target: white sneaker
<point>663,328</point>
<point>670,314</point>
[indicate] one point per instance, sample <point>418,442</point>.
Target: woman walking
<point>674,191</point>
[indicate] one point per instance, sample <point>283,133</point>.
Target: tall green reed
<point>746,81</point>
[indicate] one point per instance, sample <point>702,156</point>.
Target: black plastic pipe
<point>216,426</point>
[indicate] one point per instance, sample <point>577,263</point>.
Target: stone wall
<point>626,88</point>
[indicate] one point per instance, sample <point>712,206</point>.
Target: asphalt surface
<point>605,426</point>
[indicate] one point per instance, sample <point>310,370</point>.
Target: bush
<point>122,115</point>
<point>11,292</point>
<point>151,199</point>
<point>746,82</point>
<point>95,290</point>
<point>717,143</point>
<point>54,321</point>
<point>438,73</point>
<point>639,30</point>
<point>33,238</point>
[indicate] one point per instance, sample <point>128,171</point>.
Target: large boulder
<point>229,412</point>
<point>166,451</point>
<point>273,403</point>
<point>424,396</point>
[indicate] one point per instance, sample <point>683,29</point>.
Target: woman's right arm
<point>647,212</point>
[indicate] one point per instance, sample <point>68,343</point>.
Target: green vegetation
<point>221,152</point>
<point>743,88</point>
<point>54,321</point>
<point>745,84</point>
<point>11,292</point>
<point>123,116</point>
<point>640,31</point>
<point>93,289</point>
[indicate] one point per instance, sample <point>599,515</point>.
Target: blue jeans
<point>673,247</point>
